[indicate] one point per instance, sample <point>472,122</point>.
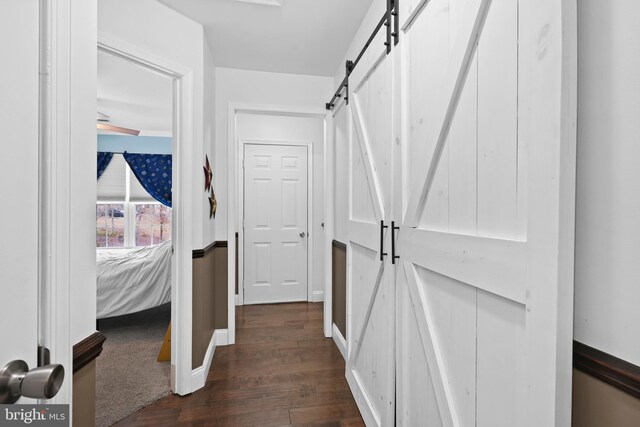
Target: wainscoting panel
<point>597,404</point>
<point>84,395</point>
<point>339,286</point>
<point>84,379</point>
<point>221,288</point>
<point>209,297</point>
<point>606,389</point>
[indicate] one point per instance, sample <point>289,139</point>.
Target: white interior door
<point>484,292</point>
<point>370,292</point>
<point>19,126</point>
<point>275,223</point>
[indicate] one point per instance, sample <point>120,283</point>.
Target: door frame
<point>310,238</point>
<point>183,122</point>
<point>234,169</point>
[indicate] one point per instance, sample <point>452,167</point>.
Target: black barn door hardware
<point>394,257</point>
<point>396,22</point>
<point>387,23</point>
<point>391,12</point>
<point>382,252</point>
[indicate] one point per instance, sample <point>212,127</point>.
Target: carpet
<point>127,374</point>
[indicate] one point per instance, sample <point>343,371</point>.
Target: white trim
<point>341,343</point>
<point>221,337</point>
<point>232,203</point>
<point>199,375</point>
<point>237,300</point>
<point>55,142</point>
<point>310,240</point>
<point>183,126</point>
<point>317,296</point>
<point>277,3</point>
<point>329,175</point>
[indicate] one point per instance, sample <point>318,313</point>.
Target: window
<point>126,215</point>
<point>110,225</point>
<point>153,224</point>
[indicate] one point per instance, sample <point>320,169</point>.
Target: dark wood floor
<point>281,371</point>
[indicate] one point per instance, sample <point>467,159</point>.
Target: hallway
<point>281,371</point>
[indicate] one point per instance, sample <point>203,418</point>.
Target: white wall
<point>208,117</point>
<point>255,87</point>
<point>164,33</point>
<point>82,184</point>
<point>607,280</point>
<point>283,128</point>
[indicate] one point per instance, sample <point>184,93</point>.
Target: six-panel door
<point>275,223</point>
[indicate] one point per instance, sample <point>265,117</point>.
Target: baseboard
<point>341,343</point>
<point>237,300</point>
<point>199,375</point>
<point>221,336</point>
<point>317,296</point>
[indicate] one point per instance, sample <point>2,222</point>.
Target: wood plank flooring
<point>281,372</point>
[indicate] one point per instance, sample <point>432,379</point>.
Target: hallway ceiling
<point>298,37</point>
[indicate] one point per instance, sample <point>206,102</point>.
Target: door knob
<point>302,234</point>
<point>17,380</point>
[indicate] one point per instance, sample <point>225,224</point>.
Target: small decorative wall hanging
<point>213,205</point>
<point>208,175</point>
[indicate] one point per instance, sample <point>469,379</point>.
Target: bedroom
<point>133,235</point>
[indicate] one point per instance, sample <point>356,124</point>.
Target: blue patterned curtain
<point>104,159</point>
<point>154,173</point>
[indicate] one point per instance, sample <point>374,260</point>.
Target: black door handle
<point>382,252</point>
<point>394,257</point>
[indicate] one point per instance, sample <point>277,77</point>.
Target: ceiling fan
<point>104,124</point>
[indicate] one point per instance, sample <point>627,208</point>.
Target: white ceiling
<point>299,37</point>
<point>133,96</point>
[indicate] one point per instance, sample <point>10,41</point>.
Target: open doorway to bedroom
<point>133,236</point>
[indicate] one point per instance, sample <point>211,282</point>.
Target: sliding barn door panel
<point>370,291</point>
<point>464,138</point>
<point>484,242</point>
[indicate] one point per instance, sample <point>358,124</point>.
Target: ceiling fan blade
<point>103,117</point>
<point>112,128</point>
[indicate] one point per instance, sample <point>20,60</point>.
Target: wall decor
<point>208,174</point>
<point>213,205</point>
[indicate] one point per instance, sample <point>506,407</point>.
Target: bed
<point>133,280</point>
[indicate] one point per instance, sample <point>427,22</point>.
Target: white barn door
<point>486,177</point>
<point>370,292</point>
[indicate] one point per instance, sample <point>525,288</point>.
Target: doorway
<point>280,126</point>
<point>134,236</point>
<point>275,222</point>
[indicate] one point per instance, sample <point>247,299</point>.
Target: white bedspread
<point>133,280</point>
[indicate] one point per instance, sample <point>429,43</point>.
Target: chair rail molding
<point>612,370</point>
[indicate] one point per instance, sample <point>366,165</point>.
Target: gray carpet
<point>128,377</point>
